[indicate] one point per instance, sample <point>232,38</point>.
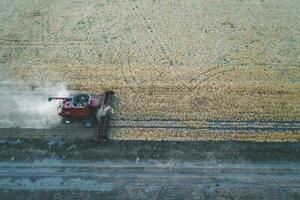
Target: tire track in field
<point>151,29</point>
<point>120,53</point>
<point>212,125</point>
<point>149,54</point>
<point>161,43</point>
<point>209,73</point>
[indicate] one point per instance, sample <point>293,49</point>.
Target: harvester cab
<point>85,108</point>
<point>81,100</point>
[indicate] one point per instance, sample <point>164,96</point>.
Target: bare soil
<point>148,170</point>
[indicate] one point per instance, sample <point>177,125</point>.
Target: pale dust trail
<point>25,107</point>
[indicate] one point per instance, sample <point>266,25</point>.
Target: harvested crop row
<point>190,135</point>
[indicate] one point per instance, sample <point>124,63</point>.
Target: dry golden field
<point>192,60</point>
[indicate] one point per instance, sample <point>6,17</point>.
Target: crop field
<point>206,105</point>
<point>192,61</point>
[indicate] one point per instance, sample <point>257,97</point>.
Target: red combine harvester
<point>86,109</point>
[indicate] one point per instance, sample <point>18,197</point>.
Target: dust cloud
<point>28,107</point>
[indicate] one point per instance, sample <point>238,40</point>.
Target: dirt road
<point>195,62</point>
<point>145,170</point>
<point>153,179</point>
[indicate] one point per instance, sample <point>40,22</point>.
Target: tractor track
<point>177,124</point>
<point>211,125</point>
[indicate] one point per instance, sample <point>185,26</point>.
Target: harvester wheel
<point>67,120</point>
<point>88,122</point>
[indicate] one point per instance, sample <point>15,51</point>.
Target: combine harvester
<point>86,109</point>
